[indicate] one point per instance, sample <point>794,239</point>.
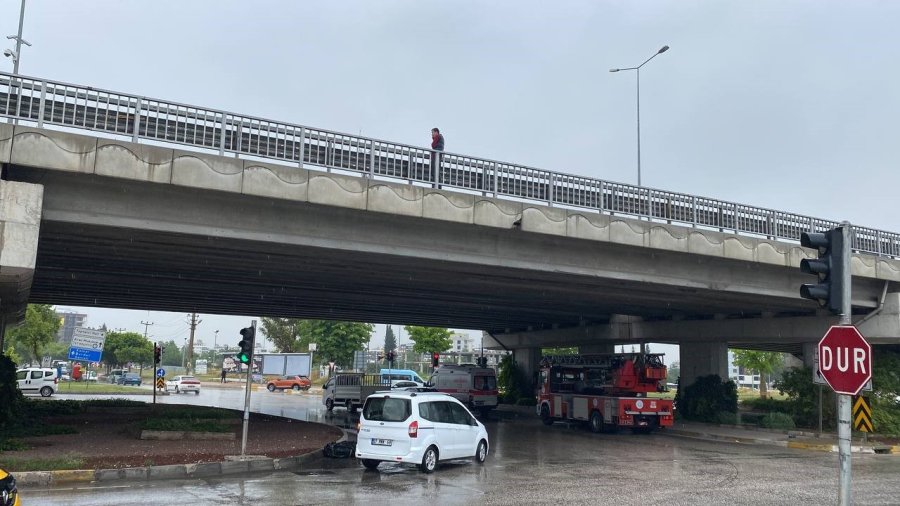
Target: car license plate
<point>381,442</point>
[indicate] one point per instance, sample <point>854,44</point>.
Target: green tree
<point>285,334</point>
<point>171,354</point>
<point>673,372</point>
<point>36,332</point>
<point>886,385</point>
<point>571,350</point>
<point>121,348</point>
<point>429,339</point>
<point>140,353</point>
<point>390,341</point>
<point>57,350</point>
<point>336,340</point>
<point>762,362</point>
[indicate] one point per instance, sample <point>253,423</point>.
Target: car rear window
<point>386,409</point>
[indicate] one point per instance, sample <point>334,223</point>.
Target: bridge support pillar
<point>590,349</point>
<point>20,221</point>
<point>703,359</point>
<point>528,359</point>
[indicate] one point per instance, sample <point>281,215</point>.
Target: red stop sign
<point>845,359</point>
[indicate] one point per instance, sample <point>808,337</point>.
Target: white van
<point>474,386</point>
<point>418,428</point>
<point>37,380</point>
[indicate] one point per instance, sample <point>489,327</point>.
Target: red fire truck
<point>607,391</point>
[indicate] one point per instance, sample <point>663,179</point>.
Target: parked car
<point>293,382</point>
<point>37,380</point>
<point>181,384</point>
<point>130,378</point>
<point>9,495</point>
<point>418,428</point>
<point>115,376</point>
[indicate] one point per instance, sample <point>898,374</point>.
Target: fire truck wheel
<point>429,460</point>
<point>596,422</point>
<point>481,452</point>
<point>545,415</point>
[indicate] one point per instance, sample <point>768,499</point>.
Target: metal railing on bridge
<point>51,103</point>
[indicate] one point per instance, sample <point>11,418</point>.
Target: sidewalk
<point>798,439</point>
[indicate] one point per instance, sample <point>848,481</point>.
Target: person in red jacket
<point>437,144</point>
<point>437,140</point>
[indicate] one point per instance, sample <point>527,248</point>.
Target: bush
<point>113,403</point>
<point>706,398</point>
<point>727,418</point>
<point>185,424</point>
<point>769,405</point>
<point>803,397</point>
<point>11,400</point>
<point>512,382</point>
<point>777,421</point>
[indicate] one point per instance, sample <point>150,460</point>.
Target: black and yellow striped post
<point>862,414</point>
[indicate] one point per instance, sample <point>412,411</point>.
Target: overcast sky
<point>789,105</point>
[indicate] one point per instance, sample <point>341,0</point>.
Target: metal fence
<point>51,103</point>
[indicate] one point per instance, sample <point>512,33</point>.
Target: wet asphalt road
<point>529,464</point>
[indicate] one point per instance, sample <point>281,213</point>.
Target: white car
<point>37,380</point>
<point>418,428</point>
<point>183,384</point>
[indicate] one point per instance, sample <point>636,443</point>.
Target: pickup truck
<point>351,389</point>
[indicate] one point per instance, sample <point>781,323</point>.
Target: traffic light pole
<point>844,401</point>
<point>247,396</point>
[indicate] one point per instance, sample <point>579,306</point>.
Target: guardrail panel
<point>26,98</point>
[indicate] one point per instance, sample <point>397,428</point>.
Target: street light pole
<point>638,71</point>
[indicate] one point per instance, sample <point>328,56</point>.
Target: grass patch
<point>12,445</point>
<point>185,424</point>
<point>17,465</point>
<point>113,403</point>
<point>35,408</point>
<point>196,412</point>
<point>91,387</point>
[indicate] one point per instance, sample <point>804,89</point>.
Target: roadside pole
<point>247,395</point>
<point>844,400</point>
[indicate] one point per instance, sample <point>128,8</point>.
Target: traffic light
<point>390,356</point>
<point>246,345</point>
<point>832,268</point>
<point>157,353</point>
<point>435,359</point>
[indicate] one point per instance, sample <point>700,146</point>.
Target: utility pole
<point>189,353</point>
<point>146,324</point>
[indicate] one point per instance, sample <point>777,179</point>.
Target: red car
<point>293,382</point>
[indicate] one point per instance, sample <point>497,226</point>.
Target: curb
<point>168,472</point>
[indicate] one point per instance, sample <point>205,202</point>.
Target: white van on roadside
<point>37,380</point>
<point>474,386</point>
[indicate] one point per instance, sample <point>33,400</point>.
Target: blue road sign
<point>85,354</point>
<point>160,373</point>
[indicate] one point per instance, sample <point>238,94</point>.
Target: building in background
<point>68,322</point>
<point>462,343</point>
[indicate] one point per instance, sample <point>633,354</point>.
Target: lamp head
<point>613,70</point>
<point>662,50</point>
<point>12,54</point>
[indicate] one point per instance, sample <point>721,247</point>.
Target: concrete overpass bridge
<point>174,207</point>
